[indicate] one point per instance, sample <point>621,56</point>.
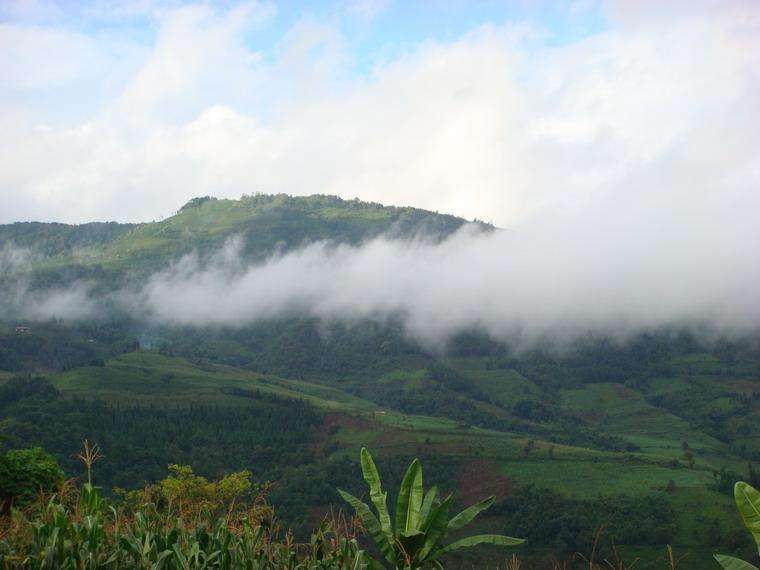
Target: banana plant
<point>748,502</point>
<point>422,523</point>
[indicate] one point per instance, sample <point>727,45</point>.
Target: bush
<point>80,529</point>
<point>24,473</point>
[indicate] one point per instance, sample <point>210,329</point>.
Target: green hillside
<point>672,442</point>
<point>644,438</point>
<point>265,224</point>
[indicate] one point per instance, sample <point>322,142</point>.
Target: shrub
<point>24,473</point>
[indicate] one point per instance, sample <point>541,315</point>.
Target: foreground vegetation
<point>186,521</point>
<point>183,522</point>
<point>748,503</point>
<point>422,522</point>
<point>565,456</point>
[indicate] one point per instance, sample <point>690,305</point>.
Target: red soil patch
<point>346,421</point>
<point>481,478</point>
<point>333,422</point>
<point>624,393</point>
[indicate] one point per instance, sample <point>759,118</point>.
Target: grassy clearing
<point>625,412</point>
<point>694,507</point>
<point>148,377</point>
<point>505,387</point>
<point>590,478</point>
<point>263,222</point>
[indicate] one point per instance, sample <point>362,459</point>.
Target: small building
<point>23,330</point>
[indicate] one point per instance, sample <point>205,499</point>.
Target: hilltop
<point>265,223</point>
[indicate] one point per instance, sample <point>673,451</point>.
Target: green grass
<point>695,505</point>
<point>505,387</point>
<point>669,385</point>
<point>147,377</point>
<point>589,478</point>
<point>625,412</point>
<point>405,379</point>
<point>264,222</point>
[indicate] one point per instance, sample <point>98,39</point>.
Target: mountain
<point>644,437</point>
<point>266,224</point>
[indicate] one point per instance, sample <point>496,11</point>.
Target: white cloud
<point>483,127</point>
<point>200,55</point>
<point>367,10</point>
<point>32,57</point>
<point>13,259</point>
<point>72,303</point>
<point>619,273</point>
<point>31,10</point>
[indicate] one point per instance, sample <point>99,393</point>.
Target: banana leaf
<point>467,515</point>
<point>427,505</point>
<point>409,501</point>
<point>371,524</point>
<point>748,501</point>
<point>470,541</point>
<point>376,494</point>
<point>435,528</point>
<point>731,563</point>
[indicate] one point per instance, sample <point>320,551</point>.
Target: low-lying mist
<point>609,268</point>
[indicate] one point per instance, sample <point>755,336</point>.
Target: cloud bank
<point>499,123</point>
<point>600,266</point>
<point>606,268</point>
<point>18,301</point>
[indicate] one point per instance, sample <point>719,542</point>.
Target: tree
<point>26,472</point>
<point>529,446</point>
<point>422,523</point>
<point>189,491</point>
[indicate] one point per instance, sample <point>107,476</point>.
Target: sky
<point>503,111</point>
<point>616,140</point>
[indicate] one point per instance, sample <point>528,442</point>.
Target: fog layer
<point>615,263</point>
<point>661,257</point>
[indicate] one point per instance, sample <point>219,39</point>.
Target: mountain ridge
<point>266,223</point>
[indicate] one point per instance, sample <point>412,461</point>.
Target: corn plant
<point>748,502</point>
<point>81,530</point>
<point>422,524</point>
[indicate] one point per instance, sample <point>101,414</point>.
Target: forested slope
<point>645,436</point>
<point>264,224</point>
